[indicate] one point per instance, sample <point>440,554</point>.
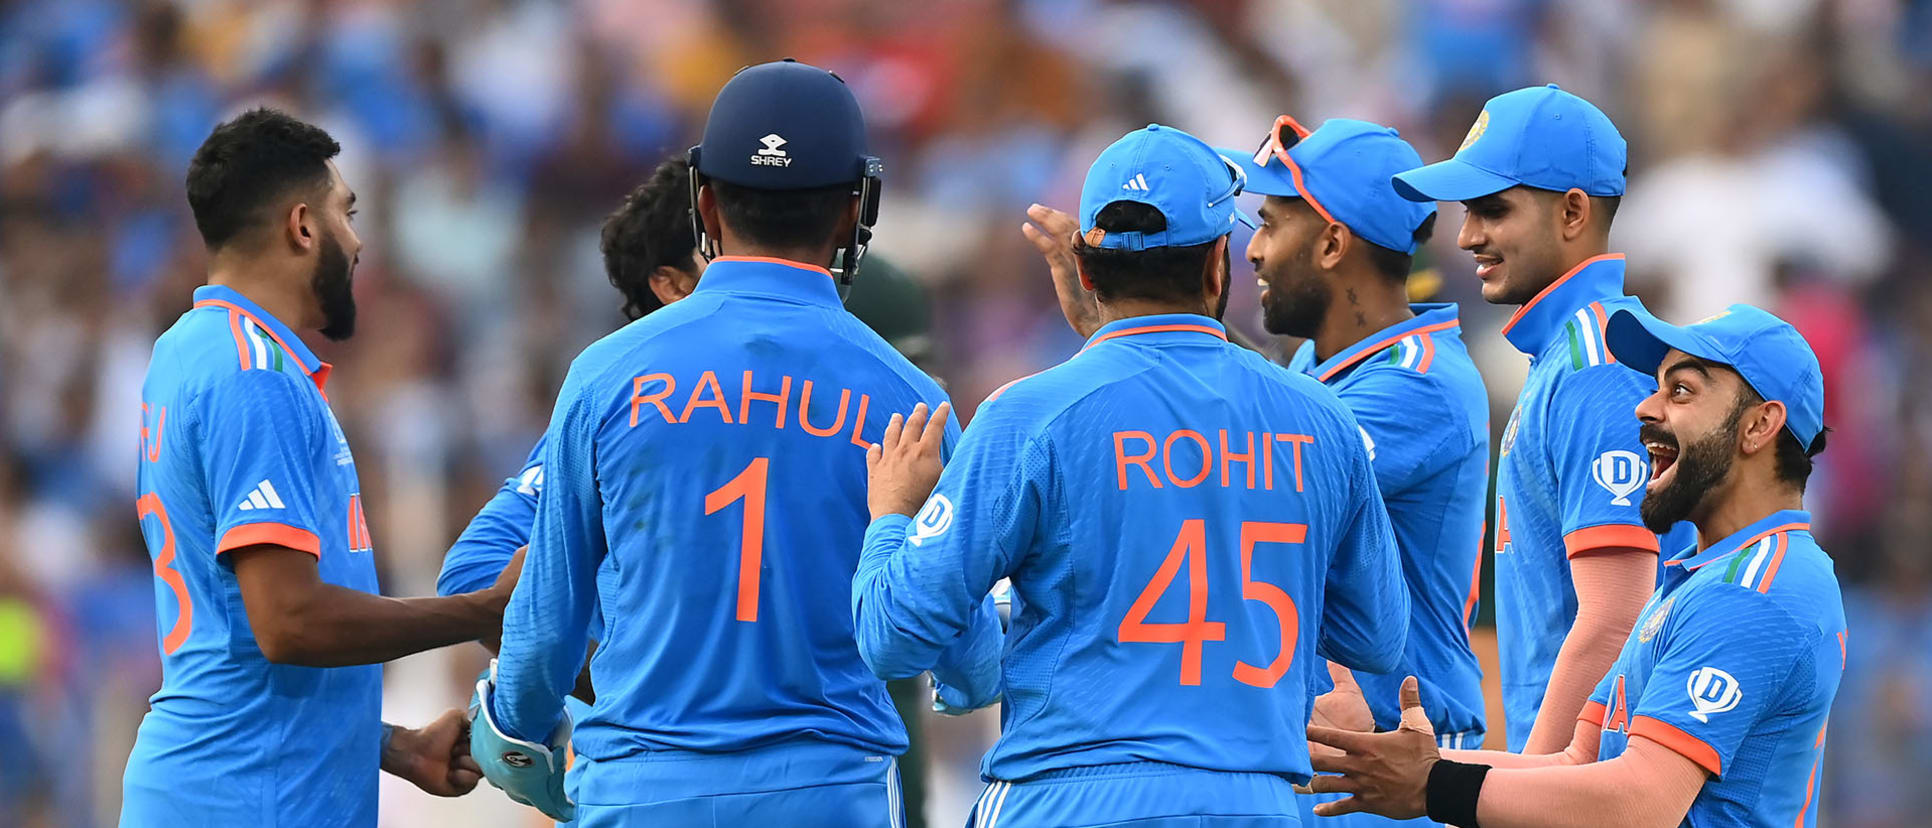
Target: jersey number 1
<point>1191,546</point>
<point>748,486</point>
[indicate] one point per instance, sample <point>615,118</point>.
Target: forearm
<point>892,651</point>
<point>1620,793</point>
<point>337,627</point>
<point>1612,586</point>
<point>1587,654</point>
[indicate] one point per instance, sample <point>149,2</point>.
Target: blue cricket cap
<point>1772,356</point>
<point>1171,171</point>
<point>783,125</point>
<point>1540,137</point>
<point>1342,170</point>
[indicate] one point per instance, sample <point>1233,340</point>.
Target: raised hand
<point>904,465</point>
<point>1387,773</point>
<point>1051,232</point>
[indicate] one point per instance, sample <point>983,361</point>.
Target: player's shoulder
<point>215,352</point>
<point>1784,576</point>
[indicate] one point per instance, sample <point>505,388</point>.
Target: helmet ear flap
<point>845,261</point>
<point>707,247</point>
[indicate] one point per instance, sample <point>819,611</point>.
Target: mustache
<point>1651,432</point>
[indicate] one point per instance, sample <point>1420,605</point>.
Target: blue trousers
<point>813,785</point>
<point>1139,794</point>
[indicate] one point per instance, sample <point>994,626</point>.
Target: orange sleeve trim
<point>1593,712</point>
<point>1683,744</point>
<point>1611,536</point>
<point>280,534</point>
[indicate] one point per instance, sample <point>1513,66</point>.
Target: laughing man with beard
<point>1715,711</point>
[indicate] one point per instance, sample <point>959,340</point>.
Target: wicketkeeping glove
<point>529,773</point>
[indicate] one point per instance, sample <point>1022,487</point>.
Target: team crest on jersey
<point>1620,473</point>
<point>1655,621</point>
<point>1476,131</point>
<point>1712,691</point>
<point>933,520</point>
<point>1509,431</point>
<point>342,455</point>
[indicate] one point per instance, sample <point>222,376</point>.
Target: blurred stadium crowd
<point>1781,155</point>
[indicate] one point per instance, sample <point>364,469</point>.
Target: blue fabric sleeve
<point>546,626</point>
<point>258,436</point>
<point>1600,465</point>
<point>1365,610</point>
<point>1725,665</point>
<point>1402,444</point>
<point>496,533</point>
<point>922,583</point>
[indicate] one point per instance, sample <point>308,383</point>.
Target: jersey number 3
<point>1191,546</point>
<point>748,486</point>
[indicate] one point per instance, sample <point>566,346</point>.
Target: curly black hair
<point>651,230</point>
<point>249,163</point>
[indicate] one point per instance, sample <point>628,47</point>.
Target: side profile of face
<point>1516,238</point>
<point>336,252</point>
<point>1294,294</point>
<point>1693,429</point>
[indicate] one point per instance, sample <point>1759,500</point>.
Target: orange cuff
<point>1609,536</point>
<point>1593,712</point>
<point>1688,746</point>
<point>280,534</point>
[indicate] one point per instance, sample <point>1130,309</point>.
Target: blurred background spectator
<point>1781,154</point>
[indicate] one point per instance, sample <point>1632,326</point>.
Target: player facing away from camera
<point>1541,173</point>
<point>1715,712</point>
<point>270,622</point>
<point>704,493</point>
<point>1186,526</point>
<point>1332,254</point>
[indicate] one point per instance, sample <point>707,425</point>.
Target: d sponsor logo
<point>1620,473</point>
<point>933,520</point>
<point>1712,691</point>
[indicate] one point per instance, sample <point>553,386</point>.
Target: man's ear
<point>670,284</point>
<point>1079,266</point>
<point>1573,213</point>
<point>1760,429</point>
<point>1214,284</point>
<point>298,227</point>
<point>1331,246</point>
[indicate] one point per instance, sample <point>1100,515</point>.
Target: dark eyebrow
<point>1488,203</point>
<point>352,198</point>
<point>1263,212</point>
<point>1689,363</point>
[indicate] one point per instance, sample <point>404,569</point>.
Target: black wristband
<point>1453,790</point>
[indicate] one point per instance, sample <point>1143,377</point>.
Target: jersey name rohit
<point>1186,458</point>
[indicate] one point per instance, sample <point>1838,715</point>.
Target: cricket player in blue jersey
<point>270,622</point>
<point>1541,173</point>
<point>704,494</point>
<point>1715,712</point>
<point>1186,526</point>
<point>1332,254</point>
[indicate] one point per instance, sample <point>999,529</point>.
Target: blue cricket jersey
<point>238,448</point>
<point>1734,664</point>
<point>499,529</point>
<point>1571,476</point>
<point>1186,527</point>
<point>704,491</point>
<point>1422,405</point>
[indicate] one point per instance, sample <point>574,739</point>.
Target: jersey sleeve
<point>920,595</point>
<point>1601,468</point>
<point>1365,612</point>
<point>1725,665</point>
<point>546,627</point>
<point>1597,707</point>
<point>496,533</point>
<point>261,433</point>
<point>1394,408</point>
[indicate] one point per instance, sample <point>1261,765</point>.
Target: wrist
<point>388,743</point>
<point>1452,792</point>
